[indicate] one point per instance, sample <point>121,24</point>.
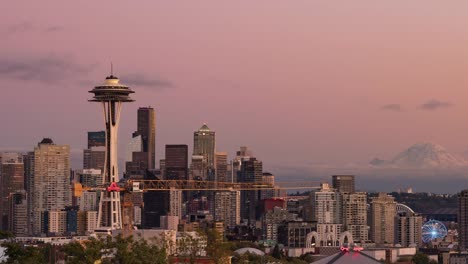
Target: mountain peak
<point>426,155</point>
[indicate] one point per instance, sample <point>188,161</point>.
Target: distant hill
<point>423,155</point>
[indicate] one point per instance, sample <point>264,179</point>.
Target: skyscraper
<point>383,212</point>
<point>176,162</point>
<point>96,139</point>
<point>463,220</point>
<point>111,95</point>
<point>146,128</point>
<point>141,151</point>
<point>51,190</point>
<point>204,144</point>
<point>12,180</point>
<point>221,166</point>
<point>326,205</point>
<point>343,183</point>
<point>251,171</point>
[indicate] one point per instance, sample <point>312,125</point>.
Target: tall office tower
<point>383,211</point>
<point>198,168</point>
<point>227,207</point>
<point>236,163</point>
<point>463,220</point>
<point>354,213</point>
<point>204,144</point>
<point>408,229</point>
<point>146,128</point>
<point>176,162</point>
<point>94,155</point>
<point>51,190</point>
<point>156,204</point>
<point>343,183</point>
<point>18,213</point>
<point>135,145</point>
<point>96,139</point>
<point>94,158</point>
<point>11,180</point>
<point>221,161</point>
<point>251,171</point>
<point>111,95</point>
<point>326,205</point>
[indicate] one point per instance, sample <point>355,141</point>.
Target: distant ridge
<point>423,155</point>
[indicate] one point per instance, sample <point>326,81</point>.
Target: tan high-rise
<point>51,190</point>
<point>383,212</point>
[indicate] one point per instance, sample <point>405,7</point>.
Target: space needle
<point>111,95</point>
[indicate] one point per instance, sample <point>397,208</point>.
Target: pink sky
<point>297,81</point>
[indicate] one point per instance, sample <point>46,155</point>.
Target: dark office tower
<point>18,213</point>
<point>146,127</point>
<point>96,139</point>
<point>463,220</point>
<point>176,162</point>
<point>12,180</point>
<point>343,183</point>
<point>251,171</point>
<point>204,144</point>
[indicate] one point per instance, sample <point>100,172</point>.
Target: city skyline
<point>309,92</point>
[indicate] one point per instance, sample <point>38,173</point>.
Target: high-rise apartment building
<point>463,220</point>
<point>383,212</point>
<point>326,205</point>
<point>204,144</point>
<point>343,183</point>
<point>51,190</point>
<point>227,207</point>
<point>354,215</point>
<point>11,180</point>
<point>409,230</point>
<point>176,162</point>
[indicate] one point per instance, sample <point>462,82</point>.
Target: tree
<point>420,258</point>
<point>25,254</point>
<point>277,252</point>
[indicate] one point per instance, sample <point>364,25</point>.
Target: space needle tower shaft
<point>111,95</point>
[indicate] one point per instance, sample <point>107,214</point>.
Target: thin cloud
<point>20,27</point>
<point>392,107</point>
<point>435,105</point>
<point>52,29</point>
<point>28,26</point>
<point>146,81</point>
<point>46,69</point>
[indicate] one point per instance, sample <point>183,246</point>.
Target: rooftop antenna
<point>112,69</point>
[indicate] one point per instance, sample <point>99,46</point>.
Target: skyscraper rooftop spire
<point>204,128</point>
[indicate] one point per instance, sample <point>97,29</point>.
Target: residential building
<point>383,211</point>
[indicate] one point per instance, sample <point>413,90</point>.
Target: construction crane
<point>135,185</point>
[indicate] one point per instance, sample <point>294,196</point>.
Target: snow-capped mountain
<point>423,155</point>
